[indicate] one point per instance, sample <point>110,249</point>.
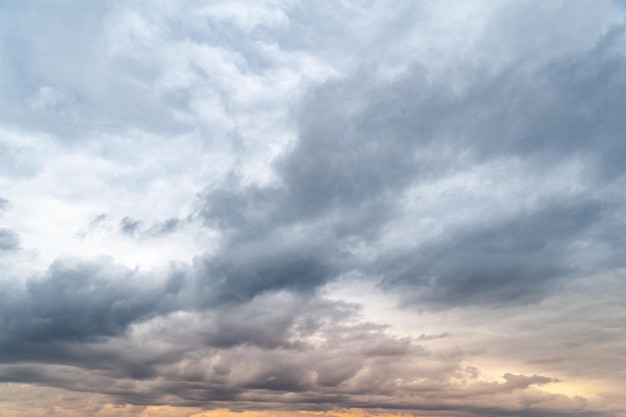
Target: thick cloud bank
<point>293,207</point>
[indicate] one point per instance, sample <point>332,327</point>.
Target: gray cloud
<point>97,327</point>
<point>298,351</point>
<point>361,144</point>
<point>449,156</point>
<point>165,227</point>
<point>243,271</point>
<point>519,260</point>
<point>78,301</point>
<point>9,240</point>
<point>98,219</point>
<point>129,226</point>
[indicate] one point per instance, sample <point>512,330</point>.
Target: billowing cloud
<point>288,207</point>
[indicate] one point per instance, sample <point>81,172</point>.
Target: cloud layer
<point>292,207</point>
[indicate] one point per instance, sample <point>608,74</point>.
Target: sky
<point>282,208</point>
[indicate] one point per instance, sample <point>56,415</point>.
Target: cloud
<point>166,227</point>
<point>254,354</point>
<point>77,301</point>
<point>246,270</point>
<point>284,206</point>
<point>9,240</point>
<point>518,260</point>
<point>91,327</point>
<point>361,143</point>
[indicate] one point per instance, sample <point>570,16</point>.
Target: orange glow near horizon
<point>25,400</point>
<point>354,412</point>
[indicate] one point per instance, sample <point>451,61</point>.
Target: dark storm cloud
<point>362,143</point>
<point>240,272</point>
<point>569,106</point>
<point>259,347</point>
<point>254,355</point>
<point>57,316</point>
<point>336,184</point>
<point>9,239</point>
<point>77,302</point>
<point>517,260</point>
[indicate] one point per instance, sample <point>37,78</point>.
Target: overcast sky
<point>352,208</point>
